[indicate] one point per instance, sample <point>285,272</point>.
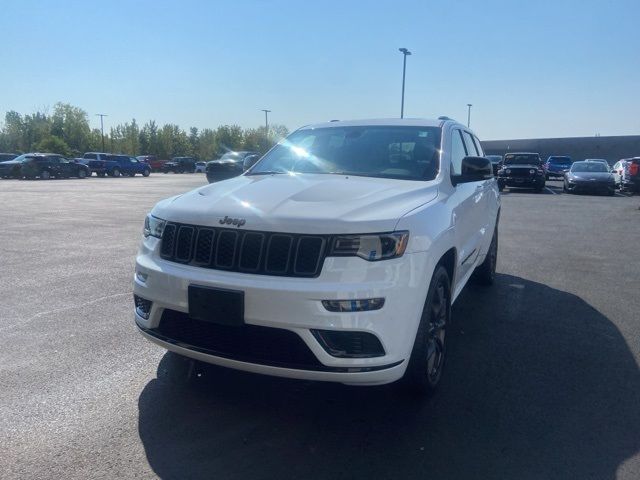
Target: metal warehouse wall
<point>578,148</point>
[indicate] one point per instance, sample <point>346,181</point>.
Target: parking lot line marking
<point>547,188</point>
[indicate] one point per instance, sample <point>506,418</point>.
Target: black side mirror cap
<point>473,169</point>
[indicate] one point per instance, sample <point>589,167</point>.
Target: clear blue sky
<point>543,68</point>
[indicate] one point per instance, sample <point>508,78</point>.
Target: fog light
<point>142,276</point>
<point>345,344</point>
<point>143,306</point>
<point>353,305</point>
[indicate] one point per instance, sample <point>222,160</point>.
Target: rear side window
<point>478,146</point>
<point>458,152</point>
<point>90,156</point>
<point>471,148</point>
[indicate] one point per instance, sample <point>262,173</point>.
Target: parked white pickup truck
<point>336,257</point>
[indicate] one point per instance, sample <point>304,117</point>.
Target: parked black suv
<point>521,170</point>
<point>5,157</point>
<point>228,166</point>
<point>180,165</point>
<point>48,165</point>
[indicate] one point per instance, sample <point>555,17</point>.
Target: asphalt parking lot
<point>542,380</point>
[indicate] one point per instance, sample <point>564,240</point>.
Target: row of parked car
<point>50,165</point>
<point>527,170</point>
<point>229,165</point>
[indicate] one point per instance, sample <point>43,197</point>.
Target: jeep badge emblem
<point>238,222</point>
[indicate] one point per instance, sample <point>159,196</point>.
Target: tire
<point>146,172</point>
<point>500,187</point>
<point>101,174</point>
<point>485,273</point>
<point>429,349</point>
<point>115,172</point>
<point>45,175</point>
<point>547,177</point>
<point>82,174</point>
<point>538,189</point>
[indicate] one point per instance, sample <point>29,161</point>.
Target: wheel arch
<point>448,261</point>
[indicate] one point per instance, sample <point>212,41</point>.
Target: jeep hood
<point>301,203</point>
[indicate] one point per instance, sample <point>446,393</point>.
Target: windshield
<point>560,160</point>
<point>589,167</point>
<point>409,153</point>
<point>24,158</point>
<point>521,159</point>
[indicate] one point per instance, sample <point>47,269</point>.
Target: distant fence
<point>578,148</point>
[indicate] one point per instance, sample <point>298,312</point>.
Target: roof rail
<point>444,117</point>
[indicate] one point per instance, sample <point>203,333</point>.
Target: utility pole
<point>266,121</point>
<point>405,52</point>
<point>102,115</point>
<point>469,105</point>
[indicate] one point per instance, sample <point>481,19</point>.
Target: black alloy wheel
<point>429,350</point>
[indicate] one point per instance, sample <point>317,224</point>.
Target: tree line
<point>66,131</point>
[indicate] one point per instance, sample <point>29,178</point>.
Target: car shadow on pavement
<point>538,384</point>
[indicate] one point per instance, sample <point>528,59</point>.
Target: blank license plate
<point>216,305</point>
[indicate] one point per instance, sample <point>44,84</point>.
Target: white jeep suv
<point>336,257</point>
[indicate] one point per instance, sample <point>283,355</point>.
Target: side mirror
<point>473,169</point>
<point>249,162</point>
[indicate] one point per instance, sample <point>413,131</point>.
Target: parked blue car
<point>555,166</point>
<point>115,165</point>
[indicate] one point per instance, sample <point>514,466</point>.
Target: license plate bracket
<point>216,305</point>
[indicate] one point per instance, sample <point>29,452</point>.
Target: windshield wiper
<point>266,172</point>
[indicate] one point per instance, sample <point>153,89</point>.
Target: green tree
<point>53,144</point>
<point>72,125</point>
<point>13,132</point>
<point>194,141</point>
<point>207,145</point>
<point>228,138</point>
<point>257,139</point>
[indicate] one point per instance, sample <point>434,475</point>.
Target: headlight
<point>153,226</point>
<point>371,247</point>
<point>532,171</point>
<point>508,171</point>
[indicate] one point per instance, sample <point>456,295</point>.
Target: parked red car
<point>153,162</point>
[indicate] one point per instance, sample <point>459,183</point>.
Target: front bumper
<point>557,174</point>
<point>591,187</point>
<point>294,305</point>
<point>522,182</point>
<point>632,185</point>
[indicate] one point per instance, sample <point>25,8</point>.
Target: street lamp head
<point>405,51</point>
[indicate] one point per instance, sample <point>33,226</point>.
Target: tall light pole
<point>102,115</point>
<point>266,121</point>
<point>405,52</point>
<point>469,105</point>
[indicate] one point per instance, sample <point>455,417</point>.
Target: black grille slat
<point>308,255</point>
<point>204,246</point>
<point>184,243</point>
<point>167,248</point>
<point>278,253</point>
<point>226,249</point>
<point>251,251</point>
<point>262,253</point>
